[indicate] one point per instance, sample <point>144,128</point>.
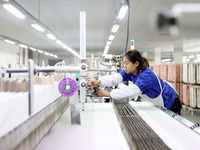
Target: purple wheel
<point>67,87</point>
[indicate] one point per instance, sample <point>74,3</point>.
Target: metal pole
<point>82,57</point>
<point>31,86</point>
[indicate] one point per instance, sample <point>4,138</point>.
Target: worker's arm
<point>102,93</point>
<point>111,80</point>
<point>131,91</point>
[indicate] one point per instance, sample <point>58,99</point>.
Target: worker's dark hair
<point>134,55</point>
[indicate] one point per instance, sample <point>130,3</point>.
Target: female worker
<point>146,84</point>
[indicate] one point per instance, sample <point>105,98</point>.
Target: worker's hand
<point>102,93</point>
<point>93,83</point>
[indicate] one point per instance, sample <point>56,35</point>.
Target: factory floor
<point>193,116</point>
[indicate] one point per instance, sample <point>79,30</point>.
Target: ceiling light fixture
<point>111,37</point>
<point>191,56</point>
<point>166,60</point>
<point>24,46</point>
<point>14,10</point>
<point>59,42</point>
<point>37,27</point>
<point>8,41</point>
<point>51,55</point>
<point>122,11</point>
<point>55,56</point>
<point>115,28</point>
<point>106,50</point>
<point>40,51</point>
<point>108,43</point>
<point>184,57</point>
<point>46,53</point>
<point>51,36</point>
<point>65,47</point>
<point>33,49</point>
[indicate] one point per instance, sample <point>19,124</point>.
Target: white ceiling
<point>62,17</point>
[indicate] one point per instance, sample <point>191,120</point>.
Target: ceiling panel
<point>62,17</point>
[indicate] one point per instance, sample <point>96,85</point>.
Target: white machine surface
<point>175,134</point>
<point>99,130</point>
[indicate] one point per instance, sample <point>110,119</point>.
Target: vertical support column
<point>74,106</point>
<point>31,86</point>
<point>83,58</point>
<point>178,52</point>
<point>157,56</point>
<point>83,35</point>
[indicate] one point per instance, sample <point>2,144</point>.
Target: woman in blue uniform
<point>146,84</point>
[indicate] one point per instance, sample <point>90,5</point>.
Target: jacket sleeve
<point>111,80</point>
<point>131,91</point>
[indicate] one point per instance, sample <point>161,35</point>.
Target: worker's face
<point>129,66</point>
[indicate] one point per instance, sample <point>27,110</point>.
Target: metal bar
<point>182,120</point>
<point>16,70</point>
<point>75,107</point>
<point>94,69</point>
<point>82,55</point>
<point>31,86</point>
<point>70,69</point>
<point>83,35</point>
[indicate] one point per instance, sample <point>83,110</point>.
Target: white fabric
<point>128,92</point>
<point>158,101</point>
<point>111,80</point>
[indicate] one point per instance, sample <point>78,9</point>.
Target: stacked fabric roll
<point>15,84</point>
<point>186,80</point>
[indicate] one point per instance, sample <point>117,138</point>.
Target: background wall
<point>9,54</point>
<point>15,55</point>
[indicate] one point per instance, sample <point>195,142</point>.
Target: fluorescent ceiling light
<point>14,11</point>
<point>191,56</point>
<point>184,57</point>
<point>186,60</point>
<point>115,28</point>
<point>51,36</point>
<point>122,12</point>
<point>198,55</point>
<point>55,56</point>
<point>65,47</point>
<point>59,42</point>
<point>46,53</point>
<point>8,41</point>
<point>108,42</point>
<point>51,55</point>
<point>111,37</point>
<point>70,49</point>
<point>33,49</point>
<point>106,50</point>
<point>37,27</point>
<point>24,46</point>
<point>197,60</point>
<point>166,60</point>
<point>40,51</point>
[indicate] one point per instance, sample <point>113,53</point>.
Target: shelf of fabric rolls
<point>186,80</point>
<point>21,130</point>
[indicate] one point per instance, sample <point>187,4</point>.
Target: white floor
<point>99,130</point>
